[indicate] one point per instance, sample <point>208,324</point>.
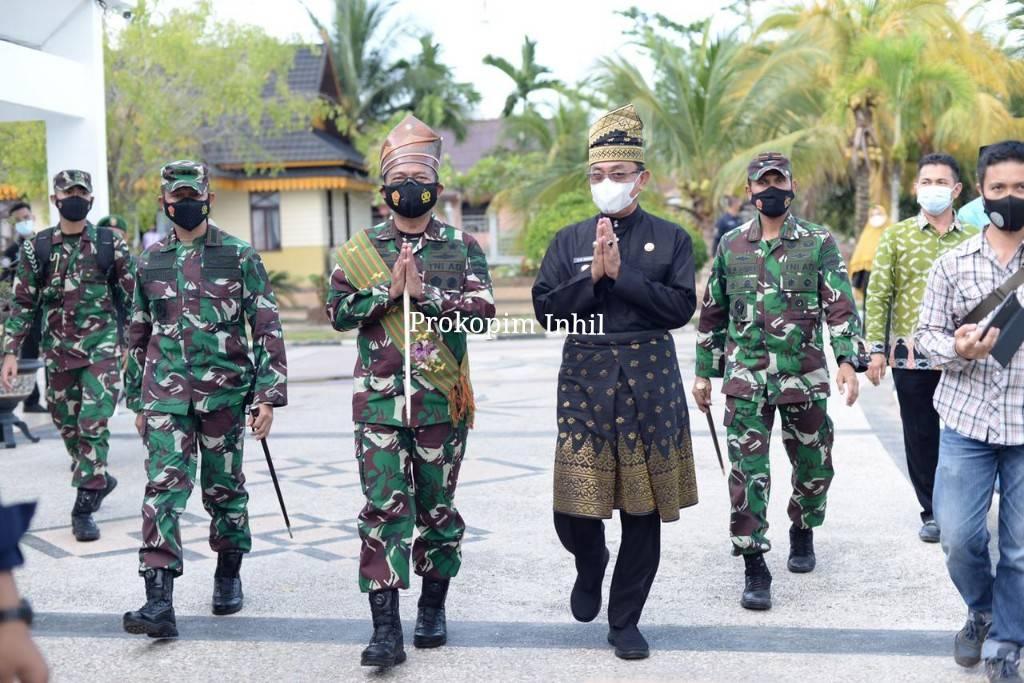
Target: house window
<point>266,220</point>
<point>474,218</point>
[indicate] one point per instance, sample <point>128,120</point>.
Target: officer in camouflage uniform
<point>409,468</point>
<point>68,275</point>
<point>191,378</point>
<point>772,282</point>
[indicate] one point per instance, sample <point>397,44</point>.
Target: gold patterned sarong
<point>623,428</point>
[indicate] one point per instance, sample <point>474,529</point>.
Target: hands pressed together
<point>607,258</point>
<point>405,276</point>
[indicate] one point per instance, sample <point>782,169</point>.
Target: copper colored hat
<point>411,141</point>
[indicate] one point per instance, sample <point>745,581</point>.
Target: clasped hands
<point>405,277</point>
<point>607,258</point>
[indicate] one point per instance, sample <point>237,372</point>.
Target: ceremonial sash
<point>365,268</point>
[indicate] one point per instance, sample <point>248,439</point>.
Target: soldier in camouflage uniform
<point>409,467</point>
<point>191,377</point>
<point>68,275</point>
<point>772,282</point>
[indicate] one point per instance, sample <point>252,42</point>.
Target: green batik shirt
<point>456,286</point>
<point>899,275</point>
<point>761,317</point>
<point>76,300</point>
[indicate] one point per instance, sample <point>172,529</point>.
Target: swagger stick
<point>714,437</point>
<point>273,476</point>
<point>408,359</point>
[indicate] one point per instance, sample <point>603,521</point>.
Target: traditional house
<point>496,229</point>
<point>306,193</point>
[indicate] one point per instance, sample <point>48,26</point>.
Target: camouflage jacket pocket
<point>160,287</point>
<point>220,302</point>
<point>741,288</point>
<point>800,295</point>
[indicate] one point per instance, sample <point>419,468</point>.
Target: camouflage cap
<point>112,221</point>
<point>185,173</point>
<point>65,180</point>
<point>768,161</point>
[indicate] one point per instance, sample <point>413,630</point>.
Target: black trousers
<point>635,568</point>
<point>914,390</point>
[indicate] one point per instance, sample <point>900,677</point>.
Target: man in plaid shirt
<point>982,405</point>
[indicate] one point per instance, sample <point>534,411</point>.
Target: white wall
<point>230,212</point>
<point>304,218</point>
<point>61,83</point>
<point>359,211</point>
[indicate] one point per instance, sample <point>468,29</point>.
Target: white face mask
<point>934,199</point>
<point>612,197</point>
<point>25,228</point>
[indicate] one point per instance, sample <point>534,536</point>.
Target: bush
<point>573,207</point>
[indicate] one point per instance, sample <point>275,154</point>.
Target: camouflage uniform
<point>409,470</point>
<point>80,345</point>
<point>191,375</point>
<point>760,329</point>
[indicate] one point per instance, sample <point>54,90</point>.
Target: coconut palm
<point>528,77</point>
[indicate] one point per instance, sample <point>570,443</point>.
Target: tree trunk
<point>895,180</point>
<point>862,195</point>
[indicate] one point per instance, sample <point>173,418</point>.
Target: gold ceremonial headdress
<point>411,141</point>
<point>617,136</point>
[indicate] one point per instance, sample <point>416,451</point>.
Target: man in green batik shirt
<point>773,281</point>
<point>899,277</point>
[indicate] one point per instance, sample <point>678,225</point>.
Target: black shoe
<point>801,550</point>
<point>82,524</point>
<point>227,585</point>
<point>35,408</point>
<point>585,599</point>
<point>968,642</point>
<point>386,647</point>
<point>757,586</point>
<point>156,617</point>
<point>105,491</point>
<point>629,643</point>
<point>431,627</point>
<point>1004,667</point>
<point>929,532</point>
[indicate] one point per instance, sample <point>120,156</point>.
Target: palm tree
<point>527,77</point>
<point>357,42</point>
<point>428,90</point>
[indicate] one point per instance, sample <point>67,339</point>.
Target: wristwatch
<point>23,612</point>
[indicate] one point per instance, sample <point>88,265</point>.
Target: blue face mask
<point>934,199</point>
<point>24,228</point>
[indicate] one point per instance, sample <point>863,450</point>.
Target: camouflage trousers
<point>175,443</point>
<point>409,476</point>
<point>81,401</point>
<point>807,434</point>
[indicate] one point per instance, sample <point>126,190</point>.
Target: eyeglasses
<point>596,177</point>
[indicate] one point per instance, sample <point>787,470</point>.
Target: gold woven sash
<point>365,268</point>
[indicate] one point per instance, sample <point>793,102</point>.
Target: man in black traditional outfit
<point>623,429</point>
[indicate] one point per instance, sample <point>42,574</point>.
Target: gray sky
<point>571,36</point>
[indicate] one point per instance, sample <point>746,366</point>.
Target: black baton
<point>273,475</point>
<point>714,437</point>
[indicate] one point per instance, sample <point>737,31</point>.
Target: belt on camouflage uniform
<point>365,268</point>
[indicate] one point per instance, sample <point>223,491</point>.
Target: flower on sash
<point>424,352</point>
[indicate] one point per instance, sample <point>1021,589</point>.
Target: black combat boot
<point>156,617</point>
<point>105,491</point>
<point>801,550</point>
<point>431,628</point>
<point>387,647</point>
<point>629,642</point>
<point>757,587</point>
<point>82,524</point>
<point>227,584</point>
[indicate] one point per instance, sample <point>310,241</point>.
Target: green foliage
<point>320,284</point>
<point>178,80</point>
<point>493,176</point>
<point>283,285</point>
<point>23,160</point>
<point>427,87</point>
<point>573,207</point>
<point>527,77</point>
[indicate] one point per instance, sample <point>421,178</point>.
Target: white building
<point>51,52</point>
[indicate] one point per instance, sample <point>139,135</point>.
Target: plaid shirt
<point>978,398</point>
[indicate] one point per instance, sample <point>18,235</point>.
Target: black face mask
<point>772,202</point>
<point>410,198</point>
<point>1006,213</point>
<point>74,208</point>
<point>187,213</point>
